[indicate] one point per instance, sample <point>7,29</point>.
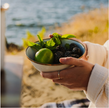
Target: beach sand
<point>91,26</point>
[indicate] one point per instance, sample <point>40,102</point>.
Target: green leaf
<point>40,40</point>
<point>31,43</point>
<point>52,48</point>
<point>66,36</point>
<point>34,45</point>
<point>42,32</point>
<point>56,40</point>
<point>56,35</point>
<point>67,46</point>
<point>50,43</point>
<point>25,42</point>
<point>40,36</point>
<point>29,35</point>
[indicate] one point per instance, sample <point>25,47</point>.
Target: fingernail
<point>63,60</point>
<point>41,74</point>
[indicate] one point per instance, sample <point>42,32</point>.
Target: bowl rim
<point>59,63</point>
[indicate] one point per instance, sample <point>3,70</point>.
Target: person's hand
<point>76,77</point>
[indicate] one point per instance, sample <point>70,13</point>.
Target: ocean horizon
<point>32,15</point>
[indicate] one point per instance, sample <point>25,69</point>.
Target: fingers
<point>71,61</point>
<point>51,75</point>
<point>62,81</point>
<point>63,74</point>
<point>59,81</point>
<point>54,75</point>
<point>68,86</point>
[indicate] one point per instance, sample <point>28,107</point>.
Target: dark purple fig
<point>75,55</point>
<point>76,50</point>
<point>72,45</point>
<point>67,54</point>
<point>60,48</point>
<point>57,56</point>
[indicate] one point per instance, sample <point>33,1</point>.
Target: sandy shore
<point>91,26</point>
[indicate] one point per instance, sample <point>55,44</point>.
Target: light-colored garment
<point>98,86</point>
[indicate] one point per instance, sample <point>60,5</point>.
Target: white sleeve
<point>97,90</point>
<point>96,53</point>
<point>98,85</point>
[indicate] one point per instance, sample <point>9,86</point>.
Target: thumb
<point>71,61</point>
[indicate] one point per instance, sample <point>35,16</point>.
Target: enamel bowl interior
<point>52,67</point>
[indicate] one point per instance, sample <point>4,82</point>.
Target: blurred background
<point>32,15</point>
<point>86,19</point>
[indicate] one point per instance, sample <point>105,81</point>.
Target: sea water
<point>32,15</point>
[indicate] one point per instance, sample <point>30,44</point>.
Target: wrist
<point>91,66</point>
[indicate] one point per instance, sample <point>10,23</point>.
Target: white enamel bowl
<point>52,67</point>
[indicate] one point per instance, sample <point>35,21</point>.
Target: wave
<point>27,25</point>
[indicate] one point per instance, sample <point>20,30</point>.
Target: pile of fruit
<point>71,50</point>
<point>51,51</point>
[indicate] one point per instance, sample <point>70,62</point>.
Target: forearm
<point>96,53</point>
<point>97,90</point>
